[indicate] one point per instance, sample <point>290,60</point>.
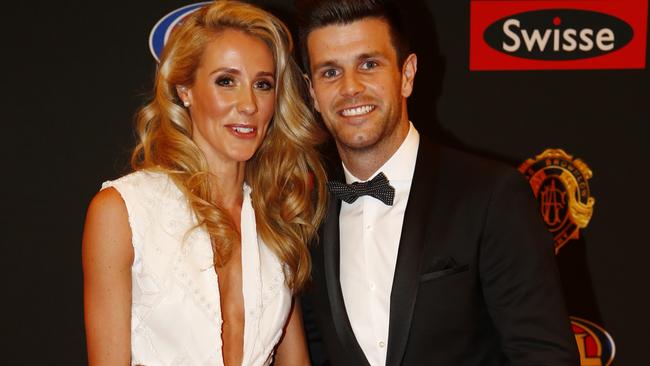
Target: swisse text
<point>564,39</point>
<point>558,34</point>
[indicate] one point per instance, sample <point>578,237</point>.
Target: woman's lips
<point>243,130</point>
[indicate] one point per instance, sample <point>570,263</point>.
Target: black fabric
<point>475,281</point>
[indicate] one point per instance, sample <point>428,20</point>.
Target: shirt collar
<point>401,165</point>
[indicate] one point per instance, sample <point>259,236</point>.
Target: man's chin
<point>357,142</point>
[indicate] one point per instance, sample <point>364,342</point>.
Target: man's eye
<point>367,65</point>
<point>330,73</point>
<point>264,85</point>
<point>225,81</point>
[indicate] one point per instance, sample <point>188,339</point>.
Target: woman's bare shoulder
<point>107,228</point>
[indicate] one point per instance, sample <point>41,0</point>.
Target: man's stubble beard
<point>390,126</point>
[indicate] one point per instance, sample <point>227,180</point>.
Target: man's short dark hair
<point>314,14</point>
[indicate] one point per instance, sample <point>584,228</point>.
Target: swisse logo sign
<point>558,34</point>
<point>579,34</point>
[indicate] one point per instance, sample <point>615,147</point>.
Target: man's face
<point>357,85</point>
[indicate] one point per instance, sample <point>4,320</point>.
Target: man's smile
<point>357,111</point>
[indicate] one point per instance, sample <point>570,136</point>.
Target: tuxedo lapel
<point>407,268</point>
<point>331,253</point>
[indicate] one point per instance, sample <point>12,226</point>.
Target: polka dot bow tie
<point>378,187</point>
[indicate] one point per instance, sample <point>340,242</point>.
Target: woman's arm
<point>107,256</point>
<point>292,349</point>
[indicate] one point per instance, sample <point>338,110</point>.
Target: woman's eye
<point>264,85</point>
<point>225,81</point>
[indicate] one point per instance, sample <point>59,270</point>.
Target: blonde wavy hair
<point>285,173</point>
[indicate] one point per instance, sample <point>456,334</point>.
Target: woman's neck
<point>226,182</point>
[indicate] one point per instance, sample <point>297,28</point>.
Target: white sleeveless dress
<point>175,311</point>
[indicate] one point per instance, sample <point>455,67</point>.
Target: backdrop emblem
<point>595,345</point>
<point>165,26</point>
<point>560,184</point>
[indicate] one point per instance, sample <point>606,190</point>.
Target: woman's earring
<point>186,103</point>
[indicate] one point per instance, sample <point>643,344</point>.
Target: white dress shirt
<point>369,235</point>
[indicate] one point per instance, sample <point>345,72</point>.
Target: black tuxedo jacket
<point>475,281</point>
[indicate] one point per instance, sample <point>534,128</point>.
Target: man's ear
<point>409,69</point>
<point>185,95</point>
<point>311,92</point>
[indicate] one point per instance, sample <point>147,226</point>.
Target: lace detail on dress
<point>176,313</point>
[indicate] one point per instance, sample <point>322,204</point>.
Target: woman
<point>194,257</point>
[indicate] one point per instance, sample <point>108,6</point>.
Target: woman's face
<point>232,99</point>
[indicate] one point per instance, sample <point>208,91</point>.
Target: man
<point>447,263</point>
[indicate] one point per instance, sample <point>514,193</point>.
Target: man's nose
<point>352,85</point>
